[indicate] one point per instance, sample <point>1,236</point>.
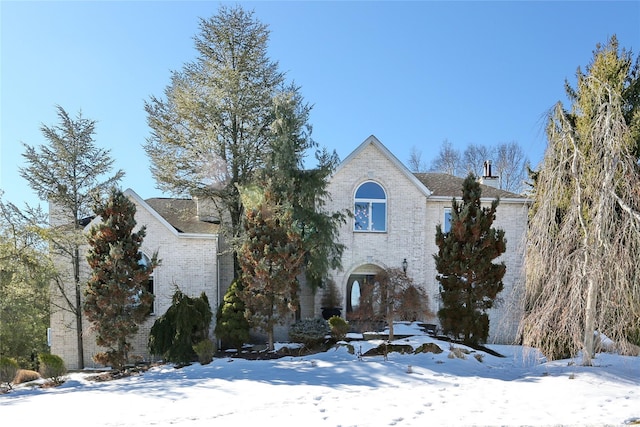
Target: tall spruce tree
<point>469,280</point>
<point>117,299</point>
<point>583,254</point>
<point>287,230</point>
<point>211,133</point>
<point>68,172</point>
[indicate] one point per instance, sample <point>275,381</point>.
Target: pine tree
<point>211,132</point>
<point>184,324</point>
<point>286,230</point>
<point>232,326</point>
<point>271,257</point>
<point>469,280</point>
<point>67,173</point>
<point>116,299</point>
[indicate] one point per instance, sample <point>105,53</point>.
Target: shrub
<point>52,367</point>
<point>205,350</point>
<point>232,327</point>
<point>8,370</point>
<point>113,358</point>
<point>339,327</point>
<point>310,332</point>
<point>25,375</point>
<point>183,325</point>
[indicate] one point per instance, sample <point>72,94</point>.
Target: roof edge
<point>372,140</point>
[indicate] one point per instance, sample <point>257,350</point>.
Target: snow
<point>339,388</point>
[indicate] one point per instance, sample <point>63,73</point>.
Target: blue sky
<point>410,73</point>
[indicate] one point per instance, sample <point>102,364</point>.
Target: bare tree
<point>511,166</point>
<point>474,157</point>
<point>415,162</point>
<point>448,159</point>
<point>583,257</point>
<point>390,295</point>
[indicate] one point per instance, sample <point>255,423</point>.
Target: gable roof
<point>372,140</point>
<point>445,185</point>
<point>182,215</point>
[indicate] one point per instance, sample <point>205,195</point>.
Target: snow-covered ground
<point>338,388</point>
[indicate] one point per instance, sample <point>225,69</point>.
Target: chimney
<point>488,178</point>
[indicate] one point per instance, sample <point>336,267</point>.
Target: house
<point>394,223</point>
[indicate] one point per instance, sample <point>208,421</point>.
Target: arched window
<point>146,262</point>
<point>370,208</point>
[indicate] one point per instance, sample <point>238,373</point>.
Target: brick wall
<point>411,223</point>
<point>189,262</point>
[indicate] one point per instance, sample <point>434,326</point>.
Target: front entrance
<point>362,306</point>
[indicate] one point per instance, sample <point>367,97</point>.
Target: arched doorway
<point>361,306</point>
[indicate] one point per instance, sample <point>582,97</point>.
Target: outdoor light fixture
<point>404,265</point>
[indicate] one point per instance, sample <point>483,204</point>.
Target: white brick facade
<point>188,260</point>
<point>412,215</point>
<point>197,262</point>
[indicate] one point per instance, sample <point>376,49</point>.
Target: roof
<point>445,185</point>
<point>373,141</point>
<point>181,214</point>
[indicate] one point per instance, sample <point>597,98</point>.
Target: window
<point>146,262</point>
<point>447,220</point>
<point>370,208</point>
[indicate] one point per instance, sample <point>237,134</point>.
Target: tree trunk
<point>589,323</point>
<point>78,309</point>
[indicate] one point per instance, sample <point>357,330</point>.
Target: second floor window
<point>370,208</point>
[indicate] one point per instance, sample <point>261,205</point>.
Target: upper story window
<point>446,225</point>
<point>370,208</point>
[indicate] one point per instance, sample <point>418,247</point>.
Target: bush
<point>25,375</point>
<point>8,370</point>
<point>339,327</point>
<point>310,332</point>
<point>232,327</point>
<point>183,325</point>
<point>205,350</point>
<point>52,367</point>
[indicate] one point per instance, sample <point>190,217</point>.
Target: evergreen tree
<point>583,254</point>
<point>287,231</point>
<point>67,173</point>
<point>26,271</point>
<point>184,324</point>
<point>271,257</point>
<point>211,133</point>
<point>469,280</point>
<point>304,189</point>
<point>116,299</point>
<point>232,327</point>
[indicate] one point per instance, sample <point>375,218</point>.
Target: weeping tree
<point>184,324</point>
<point>69,171</point>
<point>583,256</point>
<point>398,298</point>
<point>117,299</point>
<point>469,280</point>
